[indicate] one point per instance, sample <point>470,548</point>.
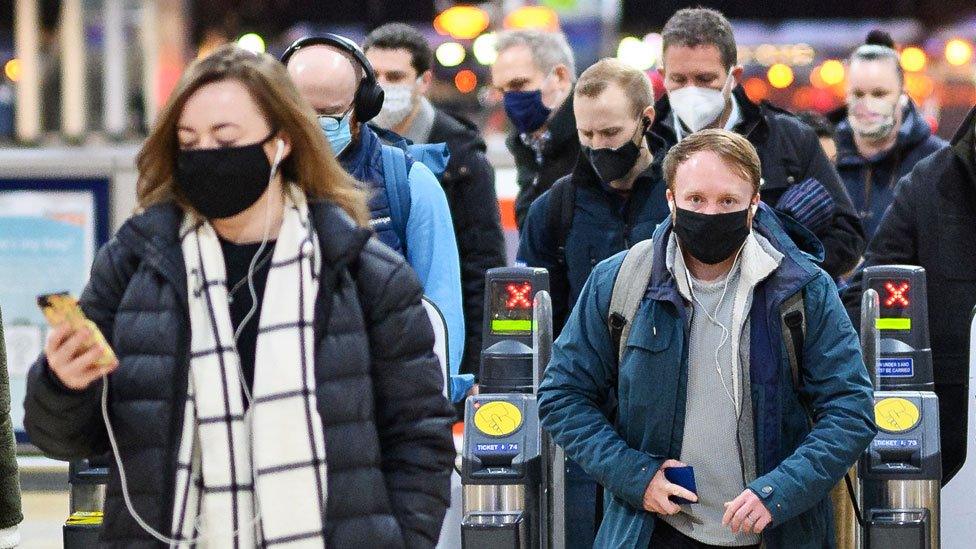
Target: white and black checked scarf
<point>270,462</point>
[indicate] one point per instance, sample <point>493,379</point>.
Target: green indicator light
<point>507,326</point>
<point>903,324</point>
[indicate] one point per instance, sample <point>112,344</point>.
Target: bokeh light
<point>780,75</point>
<point>484,48</point>
<point>12,69</point>
<point>958,52</point>
<point>832,72</point>
<point>913,59</point>
<point>462,22</point>
<point>466,81</point>
<point>450,54</point>
<point>252,42</point>
<point>636,53</point>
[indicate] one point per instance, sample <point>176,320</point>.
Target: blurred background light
<point>252,42</point>
<point>450,54</point>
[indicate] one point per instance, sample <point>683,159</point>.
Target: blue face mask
<point>337,131</point>
<point>526,110</point>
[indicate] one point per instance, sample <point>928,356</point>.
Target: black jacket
<point>386,423</point>
<point>558,158</point>
<point>469,183</point>
<point>932,223</point>
<point>870,182</point>
<point>790,153</point>
<point>603,223</point>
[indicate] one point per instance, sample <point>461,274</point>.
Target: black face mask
<point>223,182</point>
<point>711,238</point>
<point>613,164</point>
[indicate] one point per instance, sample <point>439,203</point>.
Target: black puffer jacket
<point>932,224</point>
<point>378,385</point>
<point>790,153</point>
<point>469,183</point>
<point>558,158</point>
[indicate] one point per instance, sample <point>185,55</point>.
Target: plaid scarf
<point>255,479</point>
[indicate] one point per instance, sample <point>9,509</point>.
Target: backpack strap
<point>794,326</point>
<point>396,176</point>
<point>559,216</point>
<point>628,291</point>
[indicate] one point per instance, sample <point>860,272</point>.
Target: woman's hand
<point>72,357</point>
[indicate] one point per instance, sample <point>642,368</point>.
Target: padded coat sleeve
<point>63,423</point>
<point>412,416</point>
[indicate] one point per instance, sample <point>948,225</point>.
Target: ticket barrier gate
<point>901,469</point>
<point>509,495</point>
<point>87,497</point>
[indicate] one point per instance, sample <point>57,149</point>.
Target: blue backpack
<point>398,158</point>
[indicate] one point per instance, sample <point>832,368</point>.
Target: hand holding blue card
<point>683,477</point>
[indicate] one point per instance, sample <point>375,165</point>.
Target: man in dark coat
<point>386,423</point>
<point>535,71</point>
<point>401,58</point>
<point>613,199</point>
<point>701,76</point>
<point>932,223</point>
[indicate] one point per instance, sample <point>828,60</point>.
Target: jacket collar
<point>153,236</point>
<point>795,268</point>
<point>759,258</point>
<point>964,146</point>
<point>362,157</point>
<point>913,132</point>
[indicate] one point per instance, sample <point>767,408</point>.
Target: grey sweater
<point>719,439</point>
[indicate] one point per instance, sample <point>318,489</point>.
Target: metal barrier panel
<point>959,495</point>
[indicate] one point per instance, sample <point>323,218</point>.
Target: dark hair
<point>736,151</point>
<point>878,37</point>
<point>878,46</point>
<point>821,126</point>
<point>395,36</point>
<point>692,27</point>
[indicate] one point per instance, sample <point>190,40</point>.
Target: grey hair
<point>549,49</point>
<point>877,52</point>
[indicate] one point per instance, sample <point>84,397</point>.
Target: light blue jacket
<point>432,252</point>
<point>431,247</point>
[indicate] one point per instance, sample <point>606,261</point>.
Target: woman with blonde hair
<point>274,382</point>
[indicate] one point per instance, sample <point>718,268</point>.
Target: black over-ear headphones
<point>369,95</point>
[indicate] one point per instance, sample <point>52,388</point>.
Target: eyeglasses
<point>331,122</point>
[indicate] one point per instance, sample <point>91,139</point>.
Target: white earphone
<point>278,155</point>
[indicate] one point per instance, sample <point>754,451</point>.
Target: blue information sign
<point>896,367</point>
<point>497,448</point>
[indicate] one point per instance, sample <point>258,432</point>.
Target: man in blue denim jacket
<point>705,378</point>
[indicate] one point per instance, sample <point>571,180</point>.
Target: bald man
<point>422,231</point>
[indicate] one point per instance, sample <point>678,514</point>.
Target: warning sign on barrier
<point>896,367</point>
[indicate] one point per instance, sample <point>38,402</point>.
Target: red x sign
<point>519,296</point>
<point>897,295</point>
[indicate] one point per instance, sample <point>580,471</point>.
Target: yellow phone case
<point>62,307</point>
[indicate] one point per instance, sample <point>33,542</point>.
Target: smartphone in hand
<point>683,477</point>
<point>62,308</point>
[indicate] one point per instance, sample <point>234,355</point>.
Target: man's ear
<point>648,116</point>
<point>425,80</point>
<point>737,73</point>
<point>669,196</point>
